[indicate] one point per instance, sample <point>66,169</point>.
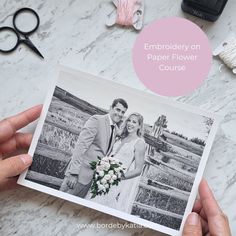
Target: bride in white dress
<point>130,150</point>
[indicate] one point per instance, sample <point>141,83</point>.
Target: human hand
<point>207,218</point>
<point>122,176</point>
<point>15,142</point>
<point>72,180</point>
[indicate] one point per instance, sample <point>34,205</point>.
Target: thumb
<point>192,225</point>
<point>14,166</point>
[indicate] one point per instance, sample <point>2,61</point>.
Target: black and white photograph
<point>121,151</point>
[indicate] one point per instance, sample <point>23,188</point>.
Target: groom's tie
<point>112,130</point>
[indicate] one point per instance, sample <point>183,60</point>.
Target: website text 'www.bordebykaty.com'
<point>116,225</point>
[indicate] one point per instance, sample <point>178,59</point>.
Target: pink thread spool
<point>128,13</point>
<point>125,12</point>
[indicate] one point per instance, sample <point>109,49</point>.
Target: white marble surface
<point>73,33</point>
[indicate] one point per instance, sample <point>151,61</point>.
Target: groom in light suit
<point>95,140</point>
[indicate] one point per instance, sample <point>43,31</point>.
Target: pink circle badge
<point>172,56</point>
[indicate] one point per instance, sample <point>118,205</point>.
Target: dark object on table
<point>15,30</point>
<point>206,9</point>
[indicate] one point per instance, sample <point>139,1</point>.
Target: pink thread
<point>125,12</point>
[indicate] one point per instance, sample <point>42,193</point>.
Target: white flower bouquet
<point>107,172</point>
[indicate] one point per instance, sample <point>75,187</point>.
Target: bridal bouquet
<point>107,172</point>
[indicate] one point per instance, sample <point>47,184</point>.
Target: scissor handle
<point>6,28</point>
<point>23,10</point>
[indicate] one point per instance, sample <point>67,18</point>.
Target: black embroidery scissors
<point>18,32</point>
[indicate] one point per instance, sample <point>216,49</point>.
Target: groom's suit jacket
<point>92,143</point>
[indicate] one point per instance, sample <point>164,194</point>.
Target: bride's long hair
<point>124,132</point>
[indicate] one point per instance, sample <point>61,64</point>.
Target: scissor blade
<point>32,47</point>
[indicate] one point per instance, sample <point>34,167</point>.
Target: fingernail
<point>27,159</point>
<point>193,219</point>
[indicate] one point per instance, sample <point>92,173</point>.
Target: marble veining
<point>74,33</point>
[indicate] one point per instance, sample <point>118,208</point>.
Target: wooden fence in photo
<point>167,178</point>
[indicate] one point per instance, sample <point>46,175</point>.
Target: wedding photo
<point>120,149</point>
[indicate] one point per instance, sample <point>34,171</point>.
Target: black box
<point>206,9</point>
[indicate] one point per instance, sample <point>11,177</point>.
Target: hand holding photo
<point>120,151</point>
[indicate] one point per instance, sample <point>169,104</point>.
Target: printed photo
<point>119,150</point>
